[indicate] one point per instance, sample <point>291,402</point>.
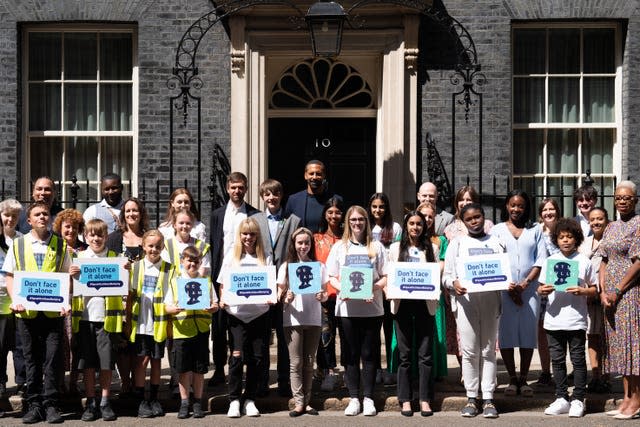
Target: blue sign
<point>305,277</point>
<point>42,291</point>
<point>414,280</point>
<point>486,272</point>
<point>356,282</point>
<point>250,285</point>
<point>101,277</point>
<point>194,293</point>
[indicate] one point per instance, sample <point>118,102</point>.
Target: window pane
<point>80,50</point>
<point>597,150</point>
<point>44,106</point>
<point>115,56</point>
<point>527,151</point>
<point>82,158</point>
<point>564,51</point>
<point>563,100</point>
<point>115,106</point>
<point>561,189</point>
<point>599,50</point>
<point>528,51</point>
<point>528,100</point>
<point>599,99</point>
<point>80,107</point>
<point>117,156</point>
<point>562,151</point>
<point>46,157</point>
<point>45,56</point>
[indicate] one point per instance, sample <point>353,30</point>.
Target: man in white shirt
<point>585,198</point>
<point>428,192</point>
<point>109,207</point>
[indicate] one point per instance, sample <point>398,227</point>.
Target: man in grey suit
<point>428,192</point>
<point>280,230</point>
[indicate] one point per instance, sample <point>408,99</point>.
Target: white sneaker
<point>234,409</point>
<point>560,406</point>
<point>249,409</point>
<point>577,409</point>
<point>368,408</point>
<point>328,383</point>
<point>353,408</point>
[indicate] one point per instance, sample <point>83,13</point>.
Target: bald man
<point>428,192</point>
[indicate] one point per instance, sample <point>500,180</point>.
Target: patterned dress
<point>620,244</point>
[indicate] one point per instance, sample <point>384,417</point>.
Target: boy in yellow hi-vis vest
<point>96,320</point>
<point>190,336</point>
<point>40,332</point>
<point>147,319</point>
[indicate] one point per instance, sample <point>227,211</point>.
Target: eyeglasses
<point>360,219</point>
<point>623,198</point>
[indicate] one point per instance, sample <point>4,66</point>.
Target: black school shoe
<point>184,411</point>
<point>144,410</point>
<point>197,410</point>
<point>107,412</point>
<point>90,412</point>
<point>35,414</point>
<point>53,416</point>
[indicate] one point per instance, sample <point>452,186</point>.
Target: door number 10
<point>324,142</point>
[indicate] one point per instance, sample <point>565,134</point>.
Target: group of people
<point>316,226</point>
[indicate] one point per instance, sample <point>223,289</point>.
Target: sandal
<point>512,388</point>
<point>525,388</point>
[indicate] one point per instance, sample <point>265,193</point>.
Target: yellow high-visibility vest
<point>160,317</point>
<point>188,323</point>
<point>174,252</point>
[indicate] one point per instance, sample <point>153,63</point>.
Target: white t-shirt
<point>199,231</point>
<point>149,281</point>
<point>245,312</point>
<point>339,257</point>
<point>376,232</point>
<point>565,311</point>
<point>304,310</point>
<point>94,309</point>
<point>39,248</point>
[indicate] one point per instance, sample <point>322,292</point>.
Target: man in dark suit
<point>280,229</point>
<point>224,226</point>
<point>309,203</point>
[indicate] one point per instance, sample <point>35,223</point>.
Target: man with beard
<point>109,207</point>
<point>308,204</point>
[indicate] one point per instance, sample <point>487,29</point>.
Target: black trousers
<point>362,341</point>
<point>413,321</point>
<point>248,338</point>
<point>7,343</point>
<point>41,339</point>
<point>219,329</point>
<point>282,367</point>
<point>558,343</point>
<point>19,368</point>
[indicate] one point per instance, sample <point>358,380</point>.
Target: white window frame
<point>616,125</point>
<point>27,134</point>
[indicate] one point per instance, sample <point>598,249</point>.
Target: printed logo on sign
<point>484,272</point>
<point>41,290</point>
<point>101,276</point>
<point>415,280</point>
<point>250,284</point>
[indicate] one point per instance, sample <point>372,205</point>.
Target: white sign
<point>482,273</point>
<point>250,285</point>
<point>414,280</point>
<point>101,277</point>
<point>41,291</point>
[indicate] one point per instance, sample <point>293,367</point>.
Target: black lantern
<point>325,20</point>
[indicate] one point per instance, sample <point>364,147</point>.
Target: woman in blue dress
<point>525,245</point>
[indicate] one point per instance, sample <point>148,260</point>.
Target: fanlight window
<point>321,83</point>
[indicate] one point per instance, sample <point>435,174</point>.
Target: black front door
<point>346,146</point>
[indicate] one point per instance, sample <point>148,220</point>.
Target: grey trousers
<point>302,342</point>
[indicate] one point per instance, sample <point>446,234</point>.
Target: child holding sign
<point>248,323</point>
<point>476,313</point>
<point>147,319</point>
<point>40,332</point>
<point>302,315</point>
<point>361,318</point>
<point>565,320</point>
<point>413,319</point>
<point>190,335</point>
<point>95,321</point>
